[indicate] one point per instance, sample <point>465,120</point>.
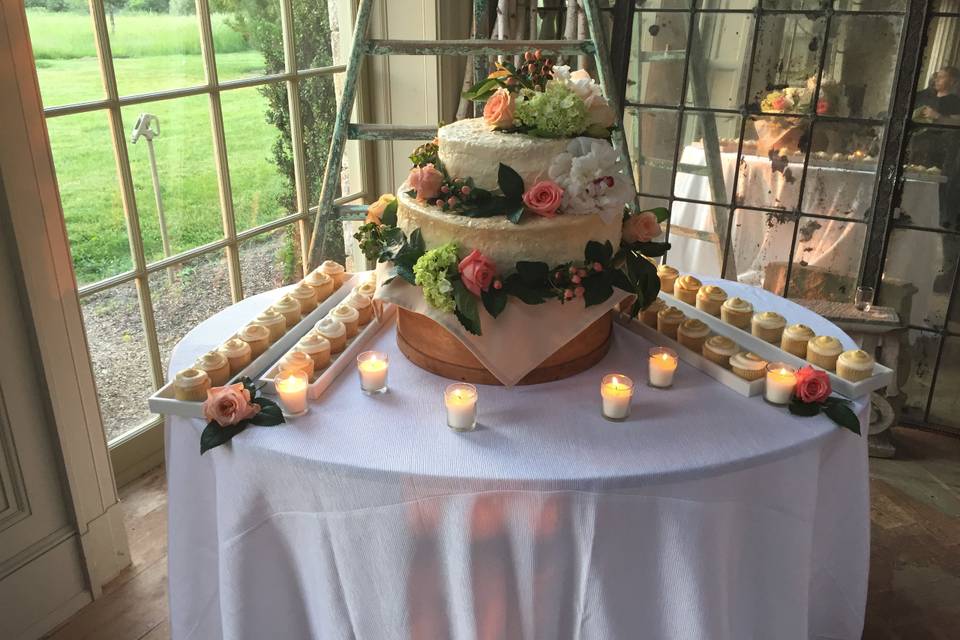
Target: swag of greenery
<point>601,270</point>
<point>835,408</point>
<point>269,415</point>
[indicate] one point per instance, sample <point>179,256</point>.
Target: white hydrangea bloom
<point>592,179</point>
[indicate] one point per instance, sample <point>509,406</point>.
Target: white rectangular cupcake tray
<point>882,376</point>
<point>164,402</point>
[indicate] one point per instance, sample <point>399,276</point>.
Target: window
<point>188,137</point>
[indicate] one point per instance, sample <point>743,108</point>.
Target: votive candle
<point>616,392</point>
<point>291,386</point>
<point>460,400</point>
<point>663,364</point>
<point>372,367</point>
<point>781,381</point>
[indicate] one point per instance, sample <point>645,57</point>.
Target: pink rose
<point>426,181</point>
<point>823,106</point>
<point>642,227</point>
<point>498,112</point>
<point>477,272</point>
<point>813,385</point>
<point>779,103</point>
<point>544,198</point>
<point>229,405</point>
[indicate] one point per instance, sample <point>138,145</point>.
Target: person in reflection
<point>939,102</point>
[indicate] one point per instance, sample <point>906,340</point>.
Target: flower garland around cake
<point>459,284</point>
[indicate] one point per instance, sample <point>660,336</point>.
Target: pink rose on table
<point>642,227</point>
<point>498,112</point>
<point>477,272</point>
<point>426,181</point>
<point>813,385</point>
<point>544,198</point>
<point>229,405</point>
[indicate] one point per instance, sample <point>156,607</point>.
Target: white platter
<point>164,402</point>
<point>882,376</point>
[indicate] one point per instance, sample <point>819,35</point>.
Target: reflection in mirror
<point>785,67</point>
<point>842,169</point>
<point>925,283</point>
<point>945,408</point>
<point>656,69</point>
<point>771,176</point>
<point>708,157</point>
<point>918,358</point>
<point>718,59</point>
<point>859,70</point>
<point>652,135</point>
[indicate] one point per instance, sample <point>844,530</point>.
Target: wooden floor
<point>914,571</point>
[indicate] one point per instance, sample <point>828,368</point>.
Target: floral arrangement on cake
<point>799,99</point>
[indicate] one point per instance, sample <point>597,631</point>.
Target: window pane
<point>920,356</point>
<point>694,235</point>
<point>761,249</point>
<point>248,40</point>
<point>318,109</point>
<point>155,51</point>
<point>718,57</point>
<point>859,71</point>
<point>700,175</point>
<point>118,353</point>
<point>319,35</point>
<point>826,261</point>
<point>876,5</point>
<point>842,169</point>
<point>919,288</point>
<point>262,190</point>
<point>945,409</point>
<point>788,54</point>
<point>656,68</point>
<point>270,260</point>
<point>652,136</point>
<point>772,177</point>
<point>66,55</point>
<point>185,171</point>
<point>90,194</point>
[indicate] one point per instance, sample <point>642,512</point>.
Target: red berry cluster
<point>454,193</point>
<point>533,72</point>
<point>569,281</point>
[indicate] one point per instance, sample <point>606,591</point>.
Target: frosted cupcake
<point>686,288</point>
<point>335,270</point>
<point>334,331</point>
<point>296,361</point>
<point>668,276</point>
<point>350,318</point>
<point>738,312</point>
<point>322,284</point>
<point>317,347</point>
<point>366,289</point>
<point>306,296</point>
<point>768,326</point>
<point>855,365</point>
<point>363,305</point>
<point>719,349</point>
<point>823,351</point>
<point>709,299</point>
<point>795,339</point>
<point>257,336</point>
<point>289,308</point>
<point>191,385</point>
<point>217,367</point>
<point>668,321</point>
<point>748,366</point>
<point>692,334</point>
<point>237,353</point>
<point>275,323</point>
<point>648,316</point>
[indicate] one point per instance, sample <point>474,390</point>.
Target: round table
<point>704,515</point>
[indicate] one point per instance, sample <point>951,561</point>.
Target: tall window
<point>189,138</point>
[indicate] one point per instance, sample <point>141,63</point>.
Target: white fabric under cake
<point>704,516</point>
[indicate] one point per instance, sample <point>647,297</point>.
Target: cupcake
<point>709,299</point>
<point>748,366</point>
<point>217,367</point>
<point>289,308</point>
<point>334,331</point>
<point>855,365</point>
<point>322,284</point>
<point>335,270</point>
<point>686,288</point>
<point>668,321</point>
<point>795,339</point>
<point>306,296</point>
<point>768,326</point>
<point>275,323</point>
<point>648,316</point>
<point>349,316</point>
<point>317,347</point>
<point>191,385</point>
<point>738,312</point>
<point>367,288</point>
<point>238,354</point>
<point>692,334</point>
<point>823,351</point>
<point>296,361</point>
<point>668,276</point>
<point>719,349</point>
<point>363,305</point>
<point>257,336</point>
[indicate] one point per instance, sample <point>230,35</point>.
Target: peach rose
<point>642,227</point>
<point>813,385</point>
<point>426,181</point>
<point>375,211</point>
<point>229,405</point>
<point>600,113</point>
<point>544,198</point>
<point>477,272</point>
<point>498,112</point>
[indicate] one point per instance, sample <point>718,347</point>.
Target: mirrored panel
<point>708,158</point>
<point>657,56</point>
<point>919,288</point>
<point>945,408</point>
<point>652,137</point>
<point>826,261</point>
<point>771,176</point>
<point>918,357</point>
<point>760,249</point>
<point>842,169</point>
<point>719,50</point>
<point>789,48</point>
<point>695,232</point>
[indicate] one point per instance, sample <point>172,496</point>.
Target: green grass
<point>84,157</point>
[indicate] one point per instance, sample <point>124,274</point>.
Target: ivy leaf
<point>515,286</point>
<point>412,193</point>
<point>511,184</point>
<point>389,217</point>
<point>515,215</point>
<point>662,213</point>
<point>467,312</point>
<point>596,252</point>
<point>597,289</point>
<point>214,435</point>
<point>533,273</point>
<point>494,301</point>
<point>648,282</point>
<point>269,415</point>
<point>482,90</point>
<point>621,281</point>
<point>416,242</point>
<point>486,208</point>
<point>404,272</point>
<point>840,412</point>
<point>803,409</point>
<point>651,249</point>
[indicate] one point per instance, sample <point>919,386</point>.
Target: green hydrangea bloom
<point>556,112</point>
<point>431,274</point>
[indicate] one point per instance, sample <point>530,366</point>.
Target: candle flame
<point>615,380</point>
<point>783,371</point>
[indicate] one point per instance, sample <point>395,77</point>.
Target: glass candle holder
<point>460,401</point>
<point>372,367</point>
<point>781,381</point>
<point>291,386</point>
<point>663,364</point>
<point>616,393</point>
<point>863,300</point>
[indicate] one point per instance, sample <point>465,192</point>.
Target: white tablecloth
<point>705,515</point>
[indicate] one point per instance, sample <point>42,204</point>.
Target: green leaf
<point>515,215</point>
<point>486,208</point>
<point>416,242</point>
<point>651,249</point>
<point>511,184</point>
<point>482,90</point>
<point>390,215</point>
<point>270,413</point>
<point>596,252</point>
<point>412,193</point>
<point>214,435</point>
<point>621,281</point>
<point>515,286</point>
<point>648,282</point>
<point>494,301</point>
<point>467,311</point>
<point>840,412</point>
<point>662,213</point>
<point>533,273</point>
<point>596,289</point>
<point>803,409</point>
<point>404,272</point>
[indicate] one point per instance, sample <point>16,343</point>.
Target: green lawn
<point>152,53</point>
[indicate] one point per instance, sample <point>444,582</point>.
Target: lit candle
<point>460,400</point>
<point>781,380</point>
<point>616,391</point>
<point>373,366</point>
<point>292,388</point>
<point>663,364</point>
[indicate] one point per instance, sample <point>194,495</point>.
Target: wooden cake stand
<point>429,346</point>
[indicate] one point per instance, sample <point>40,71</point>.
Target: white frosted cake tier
<point>551,240</point>
<point>469,149</point>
